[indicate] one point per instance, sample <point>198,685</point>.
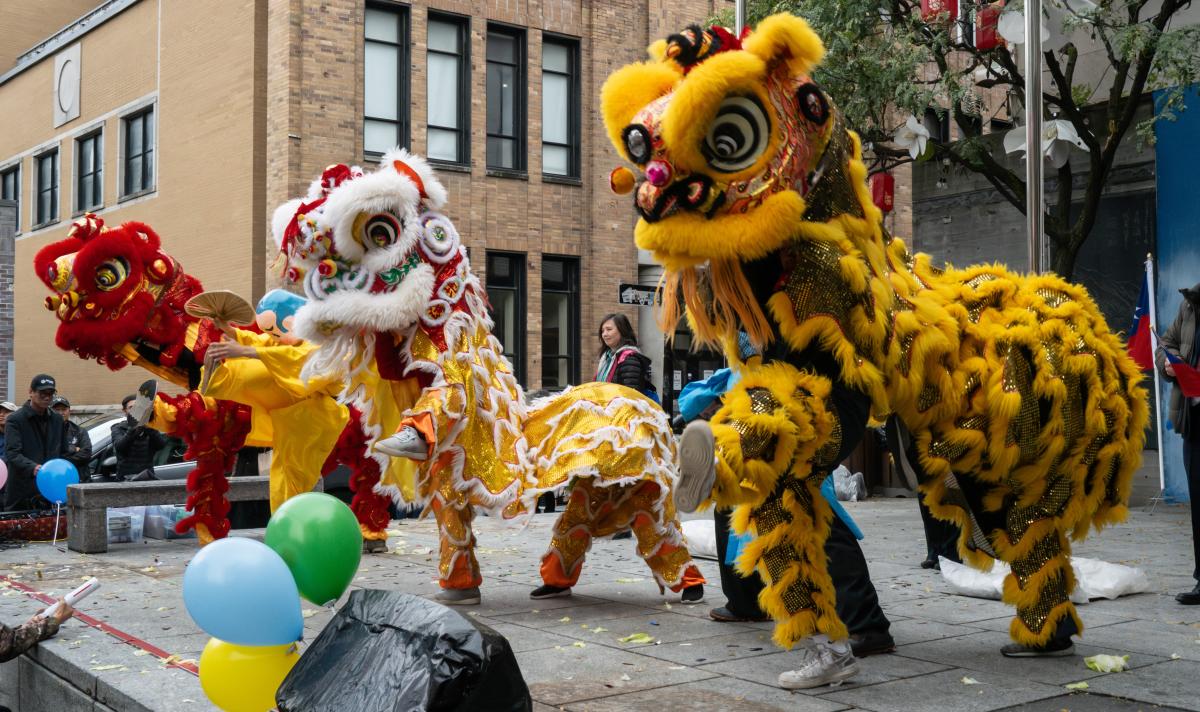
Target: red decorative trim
<point>106,628</point>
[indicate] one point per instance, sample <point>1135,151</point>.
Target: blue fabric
<point>698,395</point>
<point>735,545</point>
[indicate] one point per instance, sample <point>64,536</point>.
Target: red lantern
<point>883,191</point>
<point>930,9</point>
<point>987,19</point>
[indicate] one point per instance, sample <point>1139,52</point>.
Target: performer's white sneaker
<point>406,443</point>
<point>823,665</point>
<point>697,466</point>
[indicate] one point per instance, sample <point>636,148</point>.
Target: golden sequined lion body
<point>1011,400</point>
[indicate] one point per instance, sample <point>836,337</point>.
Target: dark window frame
<point>520,100</point>
<point>574,76</point>
<point>463,25</point>
<point>96,137</point>
<point>571,288</point>
<point>515,354</point>
<point>41,220</point>
<point>403,70</point>
<point>13,171</point>
<point>146,156</point>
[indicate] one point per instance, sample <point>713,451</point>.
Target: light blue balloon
<point>240,591</point>
<point>53,478</point>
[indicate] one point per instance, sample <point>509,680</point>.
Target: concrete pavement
<point>569,648</point>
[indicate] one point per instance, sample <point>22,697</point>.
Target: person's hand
<point>1169,369</point>
<point>63,612</point>
<point>223,350</point>
<point>35,469</point>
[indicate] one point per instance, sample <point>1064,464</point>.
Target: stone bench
<point>87,504</point>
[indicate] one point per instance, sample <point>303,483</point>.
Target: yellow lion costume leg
<point>773,430</point>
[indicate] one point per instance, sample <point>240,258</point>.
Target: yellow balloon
<point>244,678</point>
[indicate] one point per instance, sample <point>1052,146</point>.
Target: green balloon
<point>318,537</point>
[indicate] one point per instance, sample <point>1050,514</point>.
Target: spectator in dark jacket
<point>77,446</point>
<point>136,444</point>
<point>32,436</point>
<point>620,360</point>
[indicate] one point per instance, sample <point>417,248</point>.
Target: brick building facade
<point>246,102</point>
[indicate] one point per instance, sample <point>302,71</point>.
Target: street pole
<point>739,16</point>
<point>1033,131</point>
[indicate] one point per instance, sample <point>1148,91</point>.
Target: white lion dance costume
<point>1019,408</point>
<point>389,286</point>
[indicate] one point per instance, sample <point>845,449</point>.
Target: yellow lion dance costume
<point>1017,407</point>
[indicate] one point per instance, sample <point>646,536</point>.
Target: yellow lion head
<point>727,133</point>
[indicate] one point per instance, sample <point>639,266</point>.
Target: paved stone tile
<point>1148,637</point>
<point>1158,607</point>
<point>702,651</point>
<point>951,609</point>
<point>511,599</point>
<point>945,691</point>
<point>874,670</point>
<point>523,639</point>
<point>1174,682</point>
<point>557,677</point>
<point>916,630</point>
<point>1088,702</point>
<point>980,652</point>
<point>1092,618</point>
<point>661,625</point>
<point>590,613</point>
<point>718,694</point>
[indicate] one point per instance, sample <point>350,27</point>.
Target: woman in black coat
<point>620,360</point>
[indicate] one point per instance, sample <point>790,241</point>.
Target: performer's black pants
<point>1191,464</point>
<point>941,538</point>
<point>857,601</point>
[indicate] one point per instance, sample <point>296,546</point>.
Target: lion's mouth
<point>694,192</point>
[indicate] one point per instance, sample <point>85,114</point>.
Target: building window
<point>89,170</point>
<point>448,116</point>
<point>560,322</point>
<point>139,154</point>
<point>506,292</point>
<point>10,188</point>
<point>505,99</point>
<point>385,79</point>
<point>560,107</point>
<point>47,187</point>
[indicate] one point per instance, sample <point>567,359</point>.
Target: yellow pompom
<point>621,180</point>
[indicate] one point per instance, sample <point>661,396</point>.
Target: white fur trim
<point>359,311</point>
<point>282,217</point>
<point>435,192</point>
<point>381,191</point>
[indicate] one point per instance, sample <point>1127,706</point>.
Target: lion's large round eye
<point>738,135</point>
<point>111,274</point>
<point>381,230</point>
<point>637,143</point>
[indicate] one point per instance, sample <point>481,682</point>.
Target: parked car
<point>103,464</point>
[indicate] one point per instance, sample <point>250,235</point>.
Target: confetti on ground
<point>565,619</point>
<point>1107,663</point>
<point>1077,686</point>
<point>1174,656</point>
<point>970,681</point>
<point>149,570</point>
<point>625,678</point>
<point>637,638</point>
<point>308,613</point>
<point>579,644</point>
<point>102,668</point>
<point>599,629</point>
<point>629,580</point>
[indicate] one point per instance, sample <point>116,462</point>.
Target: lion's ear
<point>629,89</point>
<point>786,38</point>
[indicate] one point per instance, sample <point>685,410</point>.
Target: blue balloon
<point>240,591</point>
<point>53,478</point>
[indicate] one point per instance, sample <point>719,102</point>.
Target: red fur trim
<point>353,451</point>
<point>213,438</point>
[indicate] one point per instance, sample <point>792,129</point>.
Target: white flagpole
<point>1162,475</point>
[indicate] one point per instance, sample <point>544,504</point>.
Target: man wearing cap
<point>32,436</point>
<point>77,446</point>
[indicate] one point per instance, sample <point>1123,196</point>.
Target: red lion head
<point>112,287</point>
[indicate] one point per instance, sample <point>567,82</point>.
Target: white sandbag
<point>849,487</point>
<point>1101,579</point>
<point>1093,579</point>
<point>701,535</point>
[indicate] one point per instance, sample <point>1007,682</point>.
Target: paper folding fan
<point>222,307</point>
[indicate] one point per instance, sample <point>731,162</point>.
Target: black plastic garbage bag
<point>387,651</point>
